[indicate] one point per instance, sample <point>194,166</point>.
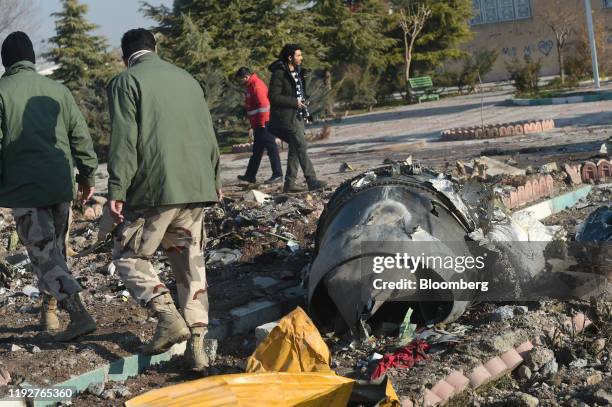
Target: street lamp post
<point>589,17</point>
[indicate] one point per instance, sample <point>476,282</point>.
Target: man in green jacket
<point>164,167</point>
<point>42,132</point>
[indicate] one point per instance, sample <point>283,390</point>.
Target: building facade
<point>516,28</point>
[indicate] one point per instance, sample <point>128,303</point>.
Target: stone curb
<point>535,188</point>
<point>498,130</point>
<point>457,382</point>
<point>601,96</point>
<point>541,186</point>
<point>559,203</point>
<point>247,318</point>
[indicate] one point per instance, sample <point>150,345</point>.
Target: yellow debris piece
<point>253,390</point>
<point>295,345</point>
<point>391,399</point>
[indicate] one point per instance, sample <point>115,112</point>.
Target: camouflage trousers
<point>179,229</point>
<point>43,232</point>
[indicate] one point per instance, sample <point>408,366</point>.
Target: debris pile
<point>428,351</point>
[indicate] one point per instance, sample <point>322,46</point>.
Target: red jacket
<point>256,101</point>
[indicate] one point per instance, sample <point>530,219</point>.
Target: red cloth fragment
<point>406,357</point>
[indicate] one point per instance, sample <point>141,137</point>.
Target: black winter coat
<point>282,95</point>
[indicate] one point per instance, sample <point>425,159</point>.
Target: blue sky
<point>113,17</point>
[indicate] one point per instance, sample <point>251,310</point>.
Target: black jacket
<point>282,95</point>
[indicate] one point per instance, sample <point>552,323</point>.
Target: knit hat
<point>17,47</point>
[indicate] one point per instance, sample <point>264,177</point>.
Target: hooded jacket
<point>256,102</point>
<point>282,95</point>
<point>42,133</point>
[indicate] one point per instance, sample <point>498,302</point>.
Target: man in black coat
<point>288,113</point>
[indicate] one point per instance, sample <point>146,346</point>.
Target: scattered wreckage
<point>387,223</point>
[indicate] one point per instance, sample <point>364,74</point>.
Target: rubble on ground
<point>275,239</point>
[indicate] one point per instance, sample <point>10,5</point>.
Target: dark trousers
<point>298,154</point>
<point>264,141</point>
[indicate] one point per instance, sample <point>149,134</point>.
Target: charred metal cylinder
<point>397,203</point>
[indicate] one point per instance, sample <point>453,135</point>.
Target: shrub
<point>557,84</point>
<point>525,76</point>
<point>357,89</point>
<point>474,68</point>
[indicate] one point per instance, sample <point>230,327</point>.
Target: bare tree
<point>561,19</point>
<point>16,14</point>
<point>411,21</point>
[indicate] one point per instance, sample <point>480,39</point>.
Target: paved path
<point>365,140</point>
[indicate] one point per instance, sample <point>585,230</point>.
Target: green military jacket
<point>42,132</point>
<point>163,149</point>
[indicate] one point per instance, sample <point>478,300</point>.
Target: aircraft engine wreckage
<point>403,208</point>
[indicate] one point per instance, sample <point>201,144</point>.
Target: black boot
<point>247,179</point>
<point>316,185</point>
<point>275,179</point>
<point>291,187</point>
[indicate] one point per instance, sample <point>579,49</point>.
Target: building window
<point>607,3</point>
<point>494,11</point>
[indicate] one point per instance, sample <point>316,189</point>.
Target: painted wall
<point>533,37</point>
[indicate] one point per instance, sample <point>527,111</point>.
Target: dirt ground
<point>582,375</point>
<point>123,325</point>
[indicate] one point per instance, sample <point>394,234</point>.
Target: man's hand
<point>85,193</point>
<point>300,104</point>
<point>220,194</point>
<point>116,210</point>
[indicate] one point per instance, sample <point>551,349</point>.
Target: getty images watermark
<point>468,271</point>
<point>404,262</point>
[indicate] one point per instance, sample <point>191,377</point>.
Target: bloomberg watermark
<point>500,271</point>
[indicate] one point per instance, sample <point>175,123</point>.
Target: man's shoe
<point>316,184</point>
<point>274,180</point>
<point>171,327</point>
<point>81,323</point>
<point>195,355</point>
<point>48,314</point>
<point>288,188</point>
<point>247,179</point>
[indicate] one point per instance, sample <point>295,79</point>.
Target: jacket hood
<point>19,67</point>
<point>276,65</point>
<point>253,79</point>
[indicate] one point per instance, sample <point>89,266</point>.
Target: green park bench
<point>421,88</point>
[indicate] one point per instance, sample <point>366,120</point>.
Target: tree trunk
<point>407,66</point>
<point>408,60</point>
<point>560,57</point>
<point>407,57</point>
<point>328,85</point>
<point>562,63</point>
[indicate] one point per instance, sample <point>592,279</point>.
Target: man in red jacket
<point>258,111</point>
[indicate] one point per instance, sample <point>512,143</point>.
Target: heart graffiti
<point>545,47</point>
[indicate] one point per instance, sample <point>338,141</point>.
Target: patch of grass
<point>552,89</point>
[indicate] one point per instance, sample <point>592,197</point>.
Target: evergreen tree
<point>84,66</point>
<point>193,52</point>
<point>80,55</point>
<point>357,48</point>
<point>254,31</point>
<point>212,39</point>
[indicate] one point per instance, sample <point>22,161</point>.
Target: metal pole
<point>589,17</point>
